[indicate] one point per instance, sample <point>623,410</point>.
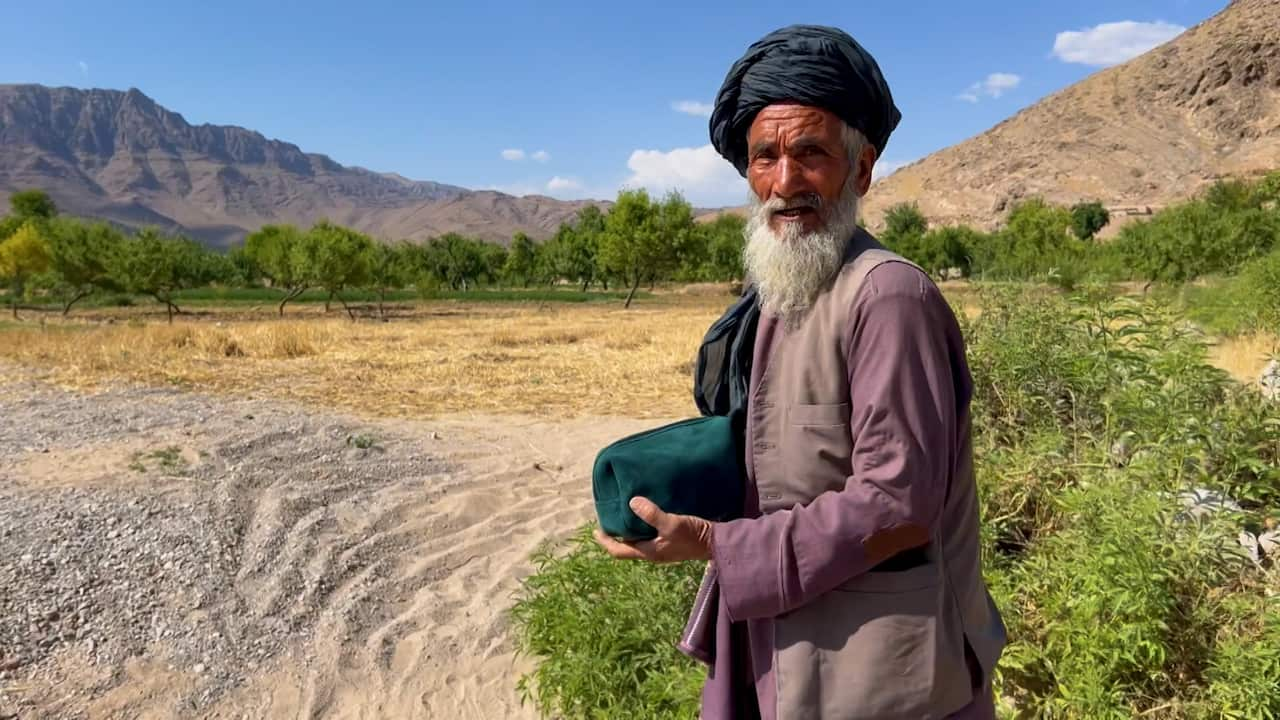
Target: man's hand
<point>680,537</point>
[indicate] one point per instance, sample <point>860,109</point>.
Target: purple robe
<point>908,379</point>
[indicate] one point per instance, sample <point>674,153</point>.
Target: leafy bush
<point>606,633</point>
<point>1199,238</point>
<point>1259,284</point>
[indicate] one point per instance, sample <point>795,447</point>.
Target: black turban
<point>807,64</point>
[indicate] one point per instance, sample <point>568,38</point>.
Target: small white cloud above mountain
<point>1112,43</point>
<point>993,86</point>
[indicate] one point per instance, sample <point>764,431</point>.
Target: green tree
<point>391,267</point>
<point>33,204</point>
<point>725,240</point>
<point>571,254</point>
<point>636,244</point>
<point>338,258</point>
<point>244,272</point>
<point>904,219</point>
<point>276,252</point>
<point>1088,218</point>
<point>80,256</point>
<point>553,255</point>
<point>945,248</point>
<point>580,262</point>
<point>22,255</point>
<point>677,236</point>
<point>493,259</point>
<point>152,264</point>
<point>905,227</point>
<point>456,260</point>
<point>521,260</point>
<point>1036,240</point>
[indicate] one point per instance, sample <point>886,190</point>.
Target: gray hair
<point>854,141</point>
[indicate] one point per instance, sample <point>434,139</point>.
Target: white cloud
<point>541,156</point>
<point>84,67</point>
<point>560,184</point>
<point>513,155</point>
<point>700,174</point>
<point>1112,43</point>
<point>884,168</point>
<point>995,85</point>
<point>691,107</point>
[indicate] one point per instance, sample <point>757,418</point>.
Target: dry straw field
<point>558,360</point>
<point>431,359</point>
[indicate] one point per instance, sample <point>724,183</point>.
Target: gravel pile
<point>209,566</point>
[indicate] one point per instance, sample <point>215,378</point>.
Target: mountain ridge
<point>120,156</point>
<point>1139,135</point>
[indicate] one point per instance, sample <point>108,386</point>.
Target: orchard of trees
<point>1232,224</point>
<point>1233,228</point>
<point>641,240</point>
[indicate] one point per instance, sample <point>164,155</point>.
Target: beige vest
<point>884,645</point>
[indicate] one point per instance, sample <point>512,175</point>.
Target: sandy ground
<point>262,564</point>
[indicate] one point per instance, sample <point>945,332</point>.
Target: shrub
<point>605,632</point>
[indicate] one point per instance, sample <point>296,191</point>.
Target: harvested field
<point>550,360</point>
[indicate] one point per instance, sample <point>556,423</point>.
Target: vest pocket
<point>817,449</point>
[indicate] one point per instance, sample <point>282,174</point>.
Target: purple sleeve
<point>903,419</point>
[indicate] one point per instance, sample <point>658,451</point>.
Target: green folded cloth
<point>691,467</point>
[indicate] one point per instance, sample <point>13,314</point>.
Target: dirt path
<point>174,555</point>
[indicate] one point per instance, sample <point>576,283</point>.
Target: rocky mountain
<point>1139,135</point>
<point>122,157</point>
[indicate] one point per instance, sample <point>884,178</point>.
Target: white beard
<point>790,268</point>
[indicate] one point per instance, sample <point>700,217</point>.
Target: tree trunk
<point>634,286</point>
<point>382,297</point>
<point>79,296</point>
<point>13,303</point>
<point>327,301</point>
<point>350,313</point>
<point>289,295</point>
<point>585,283</point>
<point>169,307</point>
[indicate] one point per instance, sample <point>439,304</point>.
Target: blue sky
<point>569,99</point>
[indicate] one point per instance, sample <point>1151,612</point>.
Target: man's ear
<point>866,165</point>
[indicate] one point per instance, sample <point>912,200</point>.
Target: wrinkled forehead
<point>785,122</point>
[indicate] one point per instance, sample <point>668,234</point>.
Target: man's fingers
<point>625,551</point>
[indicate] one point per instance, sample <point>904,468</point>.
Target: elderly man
<point>852,586</point>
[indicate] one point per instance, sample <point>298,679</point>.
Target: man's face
<point>796,152</point>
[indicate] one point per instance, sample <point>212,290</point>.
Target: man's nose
<point>790,179</point>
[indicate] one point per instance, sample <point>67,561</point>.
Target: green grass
<point>168,459</point>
